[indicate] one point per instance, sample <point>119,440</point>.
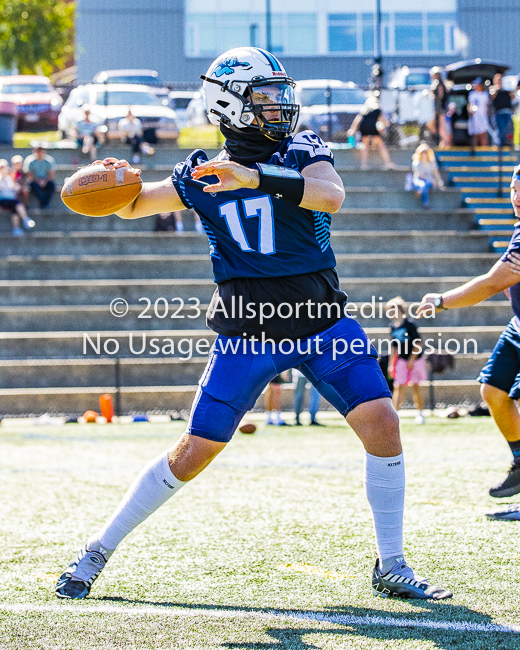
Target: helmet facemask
<point>267,105</point>
<point>273,107</point>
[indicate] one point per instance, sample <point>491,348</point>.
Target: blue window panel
<point>343,17</point>
<point>436,40</point>
<point>342,38</point>
<point>368,38</point>
<point>408,16</point>
<point>408,38</point>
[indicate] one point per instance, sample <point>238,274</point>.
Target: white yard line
<point>336,619</point>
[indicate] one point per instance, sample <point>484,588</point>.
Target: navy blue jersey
<point>255,235</point>
<point>514,291</point>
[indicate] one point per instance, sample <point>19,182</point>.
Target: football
<point>97,191</point>
<point>247,427</point>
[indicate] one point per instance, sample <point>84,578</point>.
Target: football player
<point>500,377</point>
<point>265,204</point>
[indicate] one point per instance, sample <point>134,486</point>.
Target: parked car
<point>108,103</point>
<point>196,114</point>
<point>461,74</point>
<point>328,106</point>
<point>37,101</point>
<point>179,100</point>
<point>410,78</point>
<point>141,77</point>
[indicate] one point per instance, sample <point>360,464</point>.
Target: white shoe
<point>402,582</point>
<point>419,419</point>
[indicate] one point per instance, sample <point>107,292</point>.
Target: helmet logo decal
<point>273,61</point>
<point>228,67</point>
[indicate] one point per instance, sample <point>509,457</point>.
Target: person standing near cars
<point>478,108</point>
<point>440,96</point>
<point>371,124</point>
<point>502,107</point>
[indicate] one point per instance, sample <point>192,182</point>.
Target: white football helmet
<point>248,87</point>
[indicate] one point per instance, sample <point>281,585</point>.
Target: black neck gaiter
<point>249,145</point>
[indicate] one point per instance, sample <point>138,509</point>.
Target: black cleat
<point>510,485</point>
<point>76,581</point>
<point>509,513</point>
<point>401,582</point>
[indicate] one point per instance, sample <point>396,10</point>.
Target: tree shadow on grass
<point>447,625</point>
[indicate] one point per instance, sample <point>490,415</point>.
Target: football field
<point>271,547</point>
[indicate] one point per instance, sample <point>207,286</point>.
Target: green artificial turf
<point>277,527</point>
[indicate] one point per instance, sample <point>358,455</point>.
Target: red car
<point>38,102</point>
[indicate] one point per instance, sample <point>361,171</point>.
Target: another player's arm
<point>153,198</point>
<point>499,278</point>
<point>323,189</point>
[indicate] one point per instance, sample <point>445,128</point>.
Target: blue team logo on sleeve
<point>228,66</point>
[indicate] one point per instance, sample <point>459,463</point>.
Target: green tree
<point>36,36</point>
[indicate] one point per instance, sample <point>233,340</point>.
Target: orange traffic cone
<point>106,406</point>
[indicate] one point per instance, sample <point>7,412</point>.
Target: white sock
<point>384,487</point>
<point>278,417</point>
<point>152,487</point>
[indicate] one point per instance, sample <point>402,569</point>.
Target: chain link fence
<point>339,115</point>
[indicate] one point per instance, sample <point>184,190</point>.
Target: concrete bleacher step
<point>69,267</point>
<point>102,292</point>
<point>167,156</point>
<point>390,196</point>
<point>76,373</point>
<point>142,398</point>
<point>188,243</point>
<point>61,318</point>
<point>396,198</point>
<point>350,177</point>
<point>63,373</point>
<point>159,343</point>
<point>348,218</point>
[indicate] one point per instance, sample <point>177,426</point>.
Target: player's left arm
<point>500,277</point>
<point>323,189</point>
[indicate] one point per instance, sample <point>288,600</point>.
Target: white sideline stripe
<point>337,619</point>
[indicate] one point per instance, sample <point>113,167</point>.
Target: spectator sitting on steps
<point>86,136</point>
<point>172,221</point>
<point>8,201</point>
<point>131,130</point>
<point>20,179</point>
<point>425,173</point>
<point>39,168</point>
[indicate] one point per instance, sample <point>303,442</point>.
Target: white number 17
<point>260,207</point>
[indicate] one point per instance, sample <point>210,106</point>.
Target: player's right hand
<point>116,163</point>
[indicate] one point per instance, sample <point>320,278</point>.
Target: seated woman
<point>425,173</point>
<point>9,201</point>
